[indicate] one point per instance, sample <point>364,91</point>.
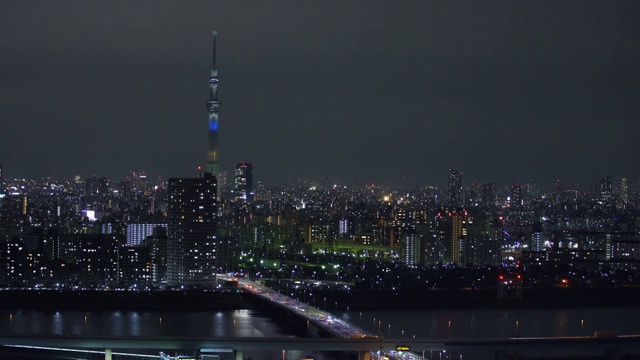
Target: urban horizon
<point>363,156</point>
<point>504,92</point>
<point>588,185</point>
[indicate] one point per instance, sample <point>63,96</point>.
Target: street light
<point>325,304</point>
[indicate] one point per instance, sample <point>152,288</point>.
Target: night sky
<point>370,91</point>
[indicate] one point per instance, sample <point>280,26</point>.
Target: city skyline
<point>503,92</point>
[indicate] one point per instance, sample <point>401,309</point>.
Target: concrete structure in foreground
<point>470,349</point>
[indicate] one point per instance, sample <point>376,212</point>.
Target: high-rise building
<point>213,107</point>
<point>605,189</point>
<point>413,248</point>
<point>191,233</point>
<point>455,188</point>
<point>625,190</point>
<point>326,184</point>
<point>1,182</point>
<point>489,195</point>
<point>459,229</point>
<point>452,230</point>
<point>243,185</point>
<point>137,233</point>
<point>516,198</point>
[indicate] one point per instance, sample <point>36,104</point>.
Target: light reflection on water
<point>473,323</point>
<point>489,323</point>
<point>200,324</point>
<point>435,324</point>
<point>241,323</point>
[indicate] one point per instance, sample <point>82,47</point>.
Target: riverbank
<point>369,300</point>
<point>123,300</point>
<point>482,298</point>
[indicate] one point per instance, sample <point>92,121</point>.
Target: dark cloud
<point>375,91</point>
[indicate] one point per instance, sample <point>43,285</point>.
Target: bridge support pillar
<point>107,354</point>
<point>364,355</point>
<point>237,354</point>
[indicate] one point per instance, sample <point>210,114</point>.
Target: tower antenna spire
<point>215,35</point>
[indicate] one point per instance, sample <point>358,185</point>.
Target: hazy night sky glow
<point>362,91</point>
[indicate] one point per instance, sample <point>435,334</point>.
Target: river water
<point>500,323</point>
<point>436,324</point>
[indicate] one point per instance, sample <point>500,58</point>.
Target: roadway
<point>325,320</point>
<point>366,340</point>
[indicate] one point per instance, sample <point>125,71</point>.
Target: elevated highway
<point>549,346</point>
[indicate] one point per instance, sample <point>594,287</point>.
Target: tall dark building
<point>326,184</point>
<point>625,189</point>
<point>213,107</point>
<point>191,233</point>
<point>243,185</point>
<point>489,195</point>
<point>455,188</point>
<point>605,189</point>
<point>1,182</point>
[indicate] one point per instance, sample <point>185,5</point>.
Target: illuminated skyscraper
<point>455,188</point>
<point>243,185</point>
<point>452,230</point>
<point>516,199</point>
<point>459,228</point>
<point>213,107</point>
<point>191,233</point>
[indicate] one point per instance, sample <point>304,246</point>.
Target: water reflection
<point>483,323</point>
<point>250,323</point>
<point>560,322</point>
<point>240,323</point>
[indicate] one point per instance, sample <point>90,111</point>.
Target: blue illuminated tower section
<point>213,107</point>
